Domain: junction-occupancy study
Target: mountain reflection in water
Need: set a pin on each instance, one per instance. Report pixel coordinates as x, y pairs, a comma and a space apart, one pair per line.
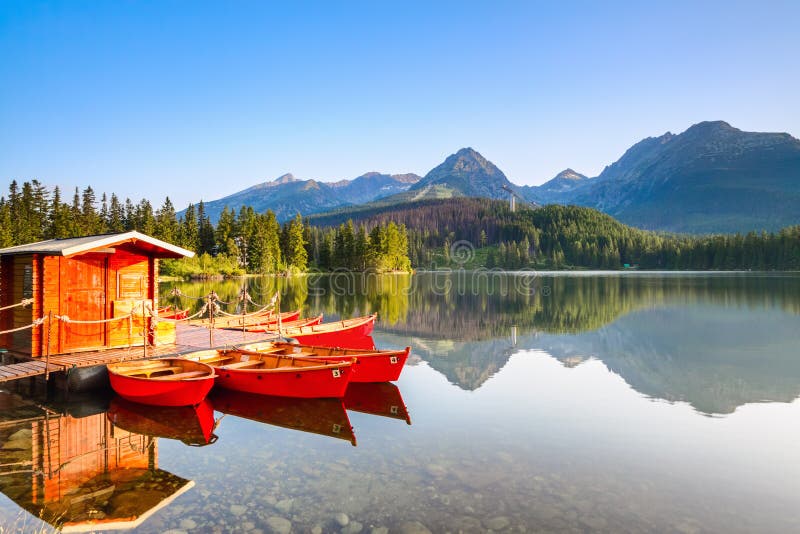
716, 341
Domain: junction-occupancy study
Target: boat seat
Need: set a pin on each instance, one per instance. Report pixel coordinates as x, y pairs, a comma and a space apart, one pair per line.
244, 365
302, 354
181, 376
215, 359
148, 371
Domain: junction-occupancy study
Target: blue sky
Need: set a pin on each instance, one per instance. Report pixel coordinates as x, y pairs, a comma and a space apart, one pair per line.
198, 100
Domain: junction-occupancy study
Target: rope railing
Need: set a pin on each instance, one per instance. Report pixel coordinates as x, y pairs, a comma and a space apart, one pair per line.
214, 301
155, 316
245, 315
23, 302
66, 319
37, 322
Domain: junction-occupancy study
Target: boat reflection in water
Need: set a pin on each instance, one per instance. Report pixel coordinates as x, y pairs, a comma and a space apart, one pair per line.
80, 473
326, 417
382, 399
193, 425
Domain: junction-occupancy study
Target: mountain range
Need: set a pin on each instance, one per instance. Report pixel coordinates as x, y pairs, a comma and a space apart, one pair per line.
286, 195
711, 178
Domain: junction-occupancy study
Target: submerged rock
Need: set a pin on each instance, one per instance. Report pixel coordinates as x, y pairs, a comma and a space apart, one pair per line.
188, 524
238, 509
353, 527
496, 523
279, 525
413, 527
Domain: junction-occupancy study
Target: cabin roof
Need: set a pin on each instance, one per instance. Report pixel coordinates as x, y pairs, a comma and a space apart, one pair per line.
79, 245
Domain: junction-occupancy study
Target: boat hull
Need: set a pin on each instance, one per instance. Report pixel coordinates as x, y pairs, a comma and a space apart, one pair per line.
384, 400
325, 382
378, 367
370, 366
193, 425
273, 327
160, 392
326, 417
352, 334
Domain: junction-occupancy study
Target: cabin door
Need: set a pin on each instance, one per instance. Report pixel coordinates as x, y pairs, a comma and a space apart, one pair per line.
83, 293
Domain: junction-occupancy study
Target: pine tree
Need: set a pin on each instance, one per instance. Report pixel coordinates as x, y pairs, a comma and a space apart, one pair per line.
297, 257
116, 215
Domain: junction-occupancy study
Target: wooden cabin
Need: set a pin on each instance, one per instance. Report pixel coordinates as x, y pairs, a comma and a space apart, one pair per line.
93, 278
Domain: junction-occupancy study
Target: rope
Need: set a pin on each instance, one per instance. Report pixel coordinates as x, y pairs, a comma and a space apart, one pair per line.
178, 293
254, 303
23, 302
37, 322
257, 312
157, 318
66, 319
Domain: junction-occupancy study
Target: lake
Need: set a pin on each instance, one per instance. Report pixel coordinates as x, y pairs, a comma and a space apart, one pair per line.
604, 402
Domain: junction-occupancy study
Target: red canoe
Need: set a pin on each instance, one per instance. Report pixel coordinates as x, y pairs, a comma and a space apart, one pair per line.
326, 417
169, 312
370, 366
193, 425
277, 375
377, 399
237, 321
162, 382
273, 327
348, 333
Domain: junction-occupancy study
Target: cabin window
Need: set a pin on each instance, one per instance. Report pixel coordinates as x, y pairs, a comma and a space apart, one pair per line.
130, 286
27, 282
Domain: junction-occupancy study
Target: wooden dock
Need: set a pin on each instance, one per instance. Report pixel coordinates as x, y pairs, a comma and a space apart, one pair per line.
189, 338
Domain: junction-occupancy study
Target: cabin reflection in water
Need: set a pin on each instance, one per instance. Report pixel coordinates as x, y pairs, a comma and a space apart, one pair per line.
80, 474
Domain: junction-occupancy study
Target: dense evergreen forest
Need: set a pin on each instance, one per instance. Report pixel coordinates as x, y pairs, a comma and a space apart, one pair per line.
244, 240
457, 232
565, 237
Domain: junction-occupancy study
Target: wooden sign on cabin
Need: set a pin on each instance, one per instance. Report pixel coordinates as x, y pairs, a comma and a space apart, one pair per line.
95, 288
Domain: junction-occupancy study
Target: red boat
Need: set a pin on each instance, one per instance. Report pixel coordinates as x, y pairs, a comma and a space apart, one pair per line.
272, 327
326, 417
348, 333
377, 399
370, 366
193, 425
276, 374
168, 312
237, 321
162, 382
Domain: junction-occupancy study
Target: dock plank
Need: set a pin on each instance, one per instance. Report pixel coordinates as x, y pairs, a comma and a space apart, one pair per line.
189, 338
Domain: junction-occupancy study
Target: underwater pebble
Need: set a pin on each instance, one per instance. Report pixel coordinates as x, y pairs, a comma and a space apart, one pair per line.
497, 523
413, 527
279, 525
342, 519
354, 527
284, 506
238, 509
379, 530
188, 524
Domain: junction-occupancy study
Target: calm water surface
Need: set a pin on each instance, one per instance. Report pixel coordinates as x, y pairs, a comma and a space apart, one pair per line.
603, 402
